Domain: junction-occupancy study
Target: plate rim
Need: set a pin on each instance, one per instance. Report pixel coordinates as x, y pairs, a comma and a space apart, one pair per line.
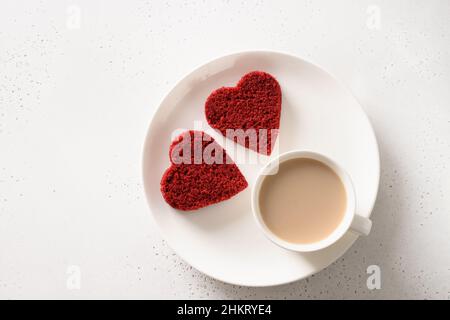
151, 125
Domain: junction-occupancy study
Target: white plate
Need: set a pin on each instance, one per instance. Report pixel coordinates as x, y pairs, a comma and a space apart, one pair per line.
318, 113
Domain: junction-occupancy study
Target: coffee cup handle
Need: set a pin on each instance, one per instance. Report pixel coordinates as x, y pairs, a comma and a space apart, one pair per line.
361, 225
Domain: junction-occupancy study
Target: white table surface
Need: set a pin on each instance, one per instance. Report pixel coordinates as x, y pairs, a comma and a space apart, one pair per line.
80, 80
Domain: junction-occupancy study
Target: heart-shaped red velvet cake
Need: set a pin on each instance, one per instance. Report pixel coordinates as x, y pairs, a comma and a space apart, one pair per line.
249, 113
201, 173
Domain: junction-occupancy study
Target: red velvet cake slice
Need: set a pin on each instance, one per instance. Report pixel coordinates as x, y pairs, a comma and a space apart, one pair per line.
255, 103
201, 173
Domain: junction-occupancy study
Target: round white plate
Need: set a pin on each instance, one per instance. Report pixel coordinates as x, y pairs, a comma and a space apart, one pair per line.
318, 113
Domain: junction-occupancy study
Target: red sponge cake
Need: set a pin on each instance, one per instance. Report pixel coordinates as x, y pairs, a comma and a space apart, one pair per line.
201, 173
255, 103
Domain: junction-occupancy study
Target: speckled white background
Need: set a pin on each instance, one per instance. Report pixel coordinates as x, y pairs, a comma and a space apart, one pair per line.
75, 104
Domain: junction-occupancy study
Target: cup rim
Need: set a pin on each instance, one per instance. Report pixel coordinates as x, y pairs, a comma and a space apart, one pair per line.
340, 230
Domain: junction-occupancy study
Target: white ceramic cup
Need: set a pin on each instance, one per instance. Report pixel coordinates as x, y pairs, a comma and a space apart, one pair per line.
352, 222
